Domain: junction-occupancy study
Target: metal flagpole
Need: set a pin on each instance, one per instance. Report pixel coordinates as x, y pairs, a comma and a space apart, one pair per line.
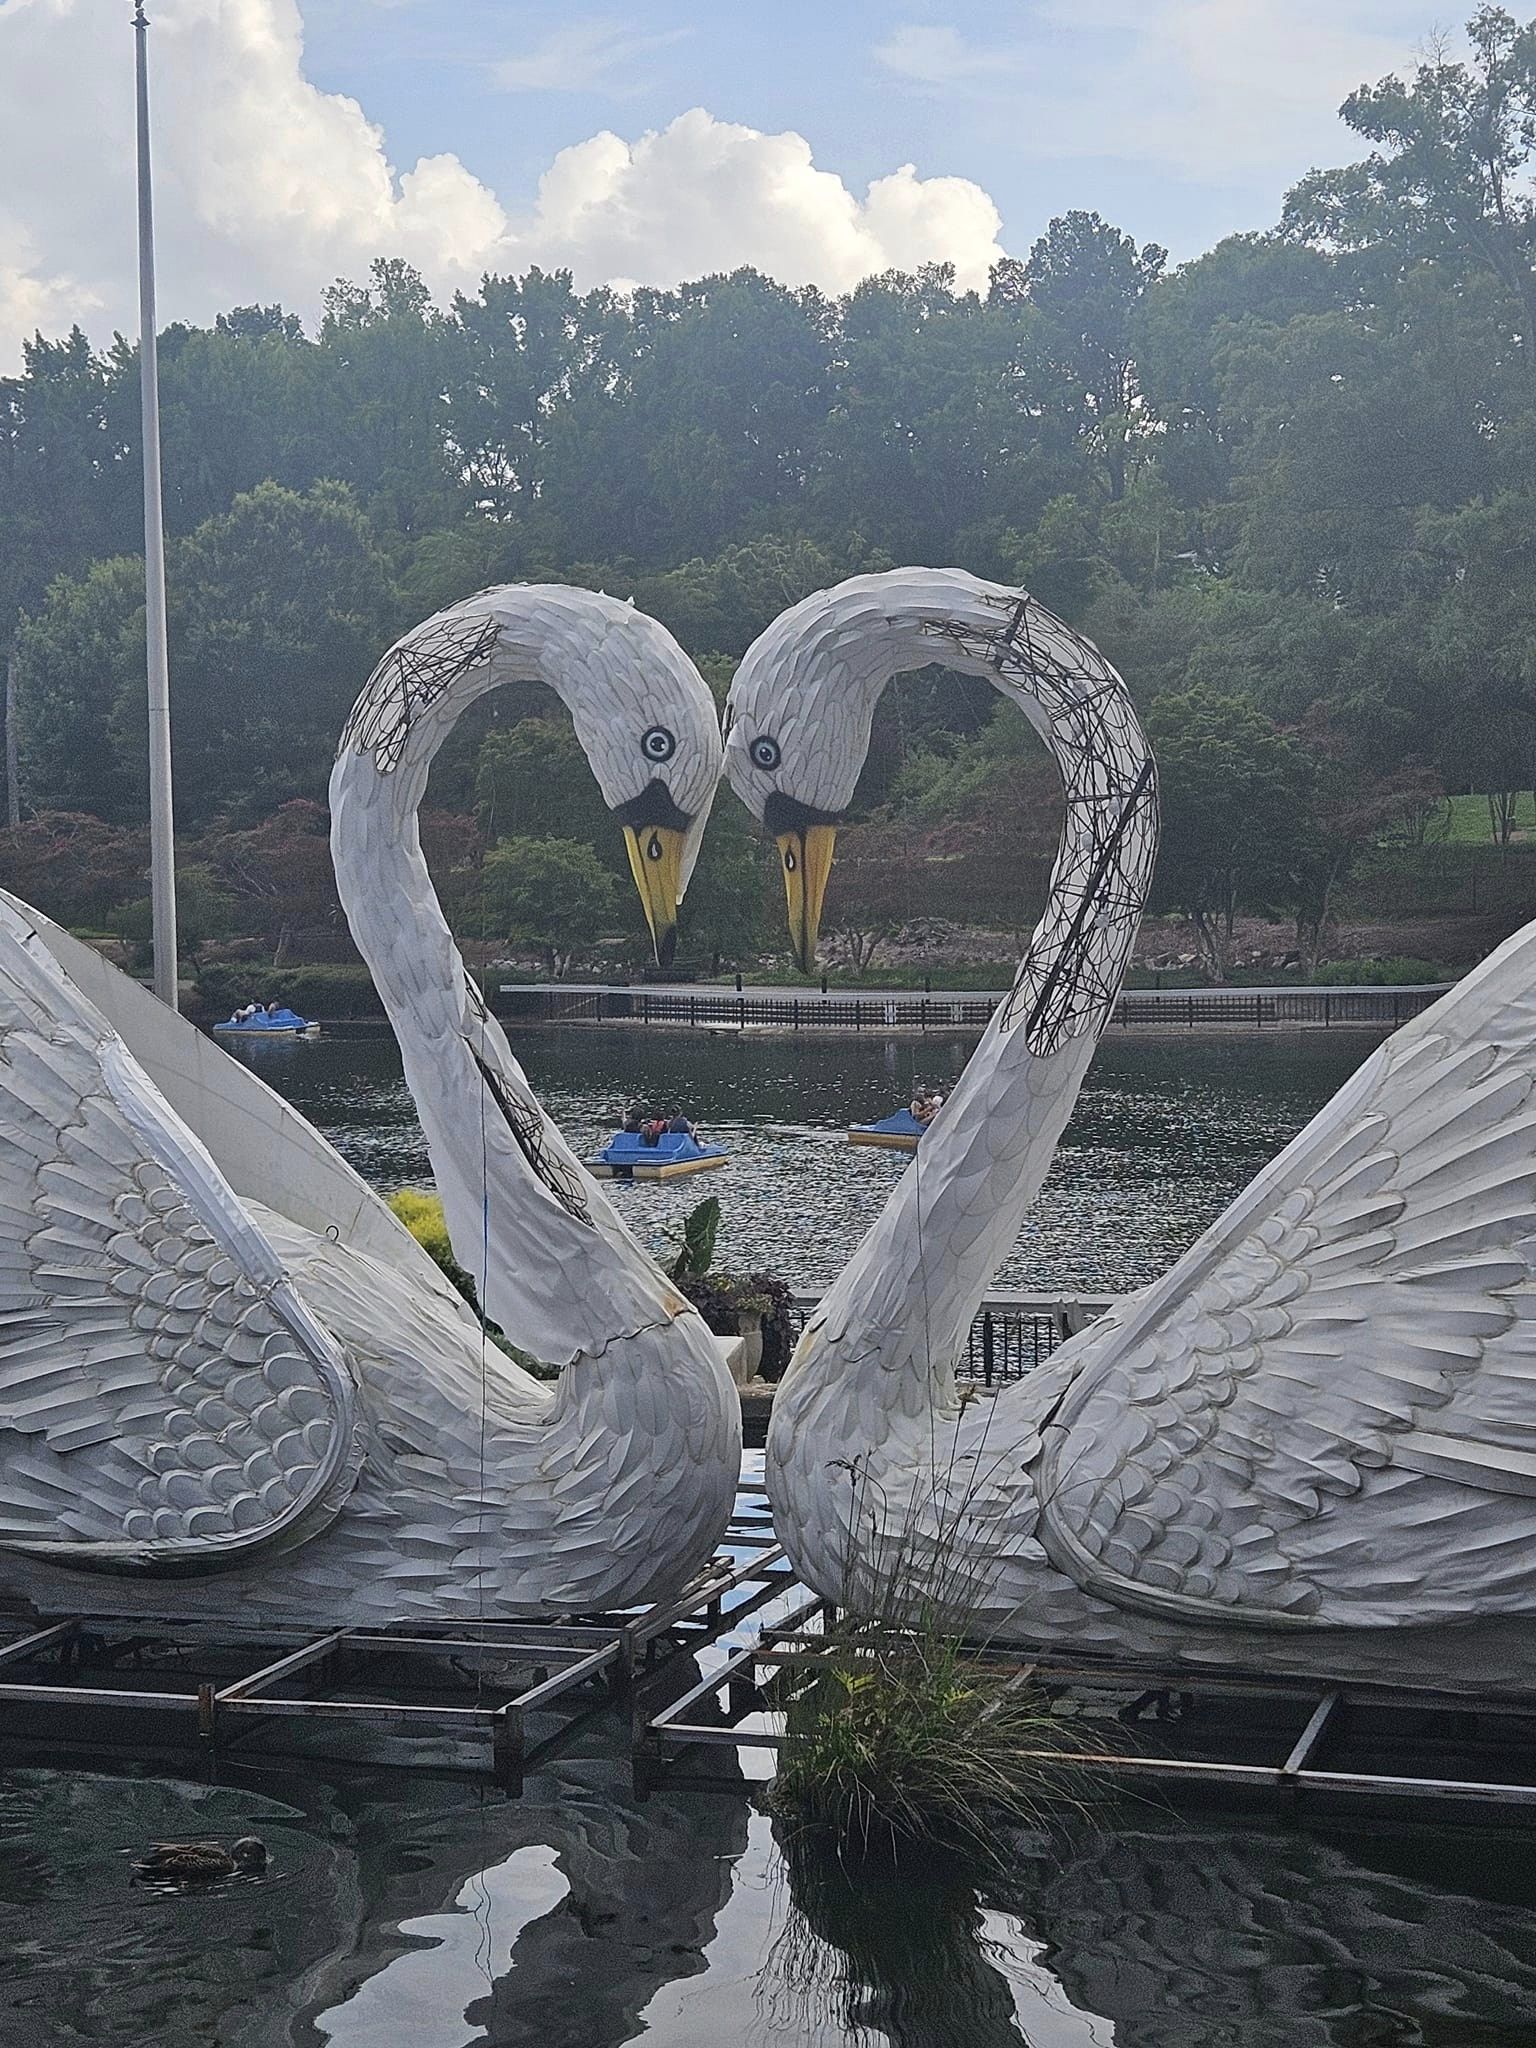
162, 842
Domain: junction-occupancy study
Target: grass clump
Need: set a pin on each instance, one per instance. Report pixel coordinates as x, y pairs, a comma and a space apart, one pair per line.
905, 1728
898, 1739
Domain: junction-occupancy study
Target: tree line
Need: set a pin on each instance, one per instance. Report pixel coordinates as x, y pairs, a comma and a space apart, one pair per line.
1288, 487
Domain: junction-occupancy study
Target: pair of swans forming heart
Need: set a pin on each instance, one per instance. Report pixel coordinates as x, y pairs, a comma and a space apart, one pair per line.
1311, 1445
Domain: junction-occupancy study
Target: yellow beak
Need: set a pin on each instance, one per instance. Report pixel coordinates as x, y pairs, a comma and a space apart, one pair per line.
807, 862
656, 862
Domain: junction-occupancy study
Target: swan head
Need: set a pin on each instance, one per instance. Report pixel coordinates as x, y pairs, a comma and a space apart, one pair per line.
642, 713
797, 726
650, 734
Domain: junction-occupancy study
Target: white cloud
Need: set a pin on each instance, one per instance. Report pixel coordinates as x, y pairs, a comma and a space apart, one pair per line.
703, 195
942, 56
30, 297
1205, 88
586, 56
267, 187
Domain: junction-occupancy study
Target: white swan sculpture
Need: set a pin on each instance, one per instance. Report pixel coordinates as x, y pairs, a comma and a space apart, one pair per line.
218, 1403
1312, 1444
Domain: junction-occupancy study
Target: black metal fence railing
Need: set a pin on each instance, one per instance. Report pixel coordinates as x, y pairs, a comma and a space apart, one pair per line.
1253, 1009
1011, 1333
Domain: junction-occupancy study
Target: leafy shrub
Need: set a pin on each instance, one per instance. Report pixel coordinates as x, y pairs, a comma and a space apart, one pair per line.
72, 866
696, 1241
723, 1298
314, 991
204, 911
898, 1739
901, 1729
422, 1215
1396, 972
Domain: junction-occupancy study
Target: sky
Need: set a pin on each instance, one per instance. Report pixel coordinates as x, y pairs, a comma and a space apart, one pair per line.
820, 140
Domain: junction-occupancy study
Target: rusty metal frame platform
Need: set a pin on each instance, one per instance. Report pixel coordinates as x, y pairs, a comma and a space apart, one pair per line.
1233, 1736
509, 1694
237, 1690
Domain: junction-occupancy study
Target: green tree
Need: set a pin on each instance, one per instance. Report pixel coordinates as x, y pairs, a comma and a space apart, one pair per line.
928, 427
704, 422
1363, 421
280, 607
75, 656
553, 894
533, 781
1234, 796
532, 348
241, 404
1450, 179
1086, 281
388, 358
1352, 806
721, 605
68, 489
204, 911
278, 610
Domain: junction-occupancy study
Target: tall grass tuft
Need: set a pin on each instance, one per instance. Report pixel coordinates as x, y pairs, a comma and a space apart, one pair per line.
904, 1732
905, 1741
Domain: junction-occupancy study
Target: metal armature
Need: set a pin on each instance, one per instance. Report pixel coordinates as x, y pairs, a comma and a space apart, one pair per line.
529, 1126
1070, 975
410, 679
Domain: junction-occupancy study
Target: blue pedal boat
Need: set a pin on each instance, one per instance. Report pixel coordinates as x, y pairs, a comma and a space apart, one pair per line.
898, 1133
272, 1024
626, 1156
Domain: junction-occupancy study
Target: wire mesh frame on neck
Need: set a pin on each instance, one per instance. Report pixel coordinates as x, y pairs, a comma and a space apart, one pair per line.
1072, 969
413, 675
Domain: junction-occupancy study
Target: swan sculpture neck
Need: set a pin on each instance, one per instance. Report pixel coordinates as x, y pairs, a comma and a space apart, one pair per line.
553, 1264
890, 1328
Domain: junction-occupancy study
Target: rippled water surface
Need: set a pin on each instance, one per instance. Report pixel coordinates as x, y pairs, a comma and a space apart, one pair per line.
409, 1908
404, 1909
1166, 1131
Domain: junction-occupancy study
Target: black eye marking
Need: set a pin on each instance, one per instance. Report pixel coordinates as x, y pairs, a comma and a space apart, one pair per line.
653, 848
765, 754
658, 744
790, 863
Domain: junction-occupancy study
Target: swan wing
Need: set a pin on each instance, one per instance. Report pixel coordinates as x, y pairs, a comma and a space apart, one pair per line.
1325, 1413
166, 1399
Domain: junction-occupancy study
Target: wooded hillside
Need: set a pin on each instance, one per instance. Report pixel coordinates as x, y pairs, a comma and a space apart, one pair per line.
1289, 487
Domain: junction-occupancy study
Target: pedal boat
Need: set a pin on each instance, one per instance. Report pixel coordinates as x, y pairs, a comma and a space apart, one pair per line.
898, 1133
626, 1156
275, 1024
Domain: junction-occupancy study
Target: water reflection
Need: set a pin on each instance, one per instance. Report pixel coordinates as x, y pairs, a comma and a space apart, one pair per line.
1164, 1134
406, 1910
401, 1910
883, 1958
1153, 1932
411, 1910
583, 1890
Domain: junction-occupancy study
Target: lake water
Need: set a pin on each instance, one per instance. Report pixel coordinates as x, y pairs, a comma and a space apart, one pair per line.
409, 1910
1166, 1131
416, 1909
